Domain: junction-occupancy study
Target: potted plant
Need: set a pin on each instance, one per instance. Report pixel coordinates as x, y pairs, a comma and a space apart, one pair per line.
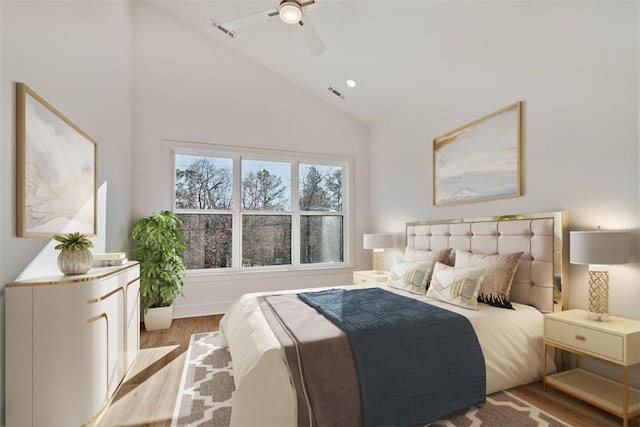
158, 243
75, 256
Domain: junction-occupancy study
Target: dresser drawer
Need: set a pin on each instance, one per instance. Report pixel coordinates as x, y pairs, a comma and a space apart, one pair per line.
591, 341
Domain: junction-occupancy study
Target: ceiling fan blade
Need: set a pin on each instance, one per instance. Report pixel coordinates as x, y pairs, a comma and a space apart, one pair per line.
311, 37
251, 19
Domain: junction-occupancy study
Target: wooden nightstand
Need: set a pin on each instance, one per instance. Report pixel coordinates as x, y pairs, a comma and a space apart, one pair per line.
370, 276
616, 342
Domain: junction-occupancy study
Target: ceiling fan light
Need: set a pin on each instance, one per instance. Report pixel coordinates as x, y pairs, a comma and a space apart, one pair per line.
290, 12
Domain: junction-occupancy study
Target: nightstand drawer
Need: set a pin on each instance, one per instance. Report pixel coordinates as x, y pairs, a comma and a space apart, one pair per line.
370, 276
359, 278
598, 343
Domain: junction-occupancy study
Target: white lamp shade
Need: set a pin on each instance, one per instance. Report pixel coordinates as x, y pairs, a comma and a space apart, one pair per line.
377, 241
599, 247
290, 12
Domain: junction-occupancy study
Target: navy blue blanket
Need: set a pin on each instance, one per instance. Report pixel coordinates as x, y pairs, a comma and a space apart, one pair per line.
416, 362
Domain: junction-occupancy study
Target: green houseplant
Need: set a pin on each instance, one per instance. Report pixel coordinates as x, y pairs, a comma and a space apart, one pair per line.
158, 243
75, 256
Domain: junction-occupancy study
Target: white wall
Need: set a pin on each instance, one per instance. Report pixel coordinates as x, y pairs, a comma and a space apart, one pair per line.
77, 56
576, 69
189, 87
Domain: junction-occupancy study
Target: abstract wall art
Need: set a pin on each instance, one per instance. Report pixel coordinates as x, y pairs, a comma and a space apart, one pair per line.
56, 170
480, 160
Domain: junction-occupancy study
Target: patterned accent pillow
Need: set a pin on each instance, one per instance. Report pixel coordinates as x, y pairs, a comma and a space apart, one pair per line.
412, 277
442, 255
457, 286
498, 278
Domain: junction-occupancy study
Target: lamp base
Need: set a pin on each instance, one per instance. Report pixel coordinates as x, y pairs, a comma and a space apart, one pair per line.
598, 293
378, 260
598, 317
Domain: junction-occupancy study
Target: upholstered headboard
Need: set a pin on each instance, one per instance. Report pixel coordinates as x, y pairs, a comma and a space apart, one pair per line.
540, 279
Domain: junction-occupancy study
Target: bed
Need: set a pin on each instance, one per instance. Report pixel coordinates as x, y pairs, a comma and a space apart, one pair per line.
511, 340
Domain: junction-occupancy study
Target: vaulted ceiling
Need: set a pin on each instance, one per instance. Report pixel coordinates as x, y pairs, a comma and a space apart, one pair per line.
386, 46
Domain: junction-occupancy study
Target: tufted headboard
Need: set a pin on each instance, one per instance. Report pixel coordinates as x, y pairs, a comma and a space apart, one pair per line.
540, 279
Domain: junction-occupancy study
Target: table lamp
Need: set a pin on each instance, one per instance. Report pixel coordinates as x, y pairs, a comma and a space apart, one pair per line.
377, 242
599, 249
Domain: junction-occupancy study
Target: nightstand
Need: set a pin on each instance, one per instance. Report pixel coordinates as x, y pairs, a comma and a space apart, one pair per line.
370, 276
616, 342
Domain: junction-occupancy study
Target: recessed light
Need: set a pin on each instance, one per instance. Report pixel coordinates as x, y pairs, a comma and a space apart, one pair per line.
352, 83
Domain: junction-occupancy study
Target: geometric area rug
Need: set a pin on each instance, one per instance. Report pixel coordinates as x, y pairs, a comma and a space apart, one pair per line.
500, 409
206, 387
206, 391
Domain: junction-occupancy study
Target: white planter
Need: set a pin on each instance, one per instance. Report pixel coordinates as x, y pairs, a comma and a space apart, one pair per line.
75, 262
158, 318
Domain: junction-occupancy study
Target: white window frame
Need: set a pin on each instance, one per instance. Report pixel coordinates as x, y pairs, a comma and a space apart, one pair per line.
294, 158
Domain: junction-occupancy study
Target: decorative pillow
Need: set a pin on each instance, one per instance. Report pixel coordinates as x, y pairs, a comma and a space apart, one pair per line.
498, 277
412, 277
457, 286
442, 256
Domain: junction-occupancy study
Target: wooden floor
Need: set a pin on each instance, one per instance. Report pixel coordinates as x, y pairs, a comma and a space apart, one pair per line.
147, 396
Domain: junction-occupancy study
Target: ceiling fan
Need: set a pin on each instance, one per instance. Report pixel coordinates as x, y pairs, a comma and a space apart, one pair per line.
290, 12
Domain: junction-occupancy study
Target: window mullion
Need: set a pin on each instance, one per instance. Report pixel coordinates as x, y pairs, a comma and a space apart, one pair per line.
236, 243
295, 215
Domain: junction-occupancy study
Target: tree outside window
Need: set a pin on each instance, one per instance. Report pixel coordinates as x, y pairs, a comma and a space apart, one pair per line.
266, 234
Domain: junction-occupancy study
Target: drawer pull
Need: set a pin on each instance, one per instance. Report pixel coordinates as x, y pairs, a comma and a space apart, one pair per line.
581, 338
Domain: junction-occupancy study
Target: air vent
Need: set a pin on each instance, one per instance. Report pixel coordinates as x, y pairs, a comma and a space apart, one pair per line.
335, 92
219, 26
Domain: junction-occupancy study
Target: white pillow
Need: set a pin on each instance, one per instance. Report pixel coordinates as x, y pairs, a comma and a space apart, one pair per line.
457, 286
410, 276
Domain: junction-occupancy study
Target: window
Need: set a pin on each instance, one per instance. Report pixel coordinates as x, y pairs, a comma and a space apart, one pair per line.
266, 195
321, 229
243, 211
204, 189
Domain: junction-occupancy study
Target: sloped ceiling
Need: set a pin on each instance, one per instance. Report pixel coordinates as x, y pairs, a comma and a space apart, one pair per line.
385, 46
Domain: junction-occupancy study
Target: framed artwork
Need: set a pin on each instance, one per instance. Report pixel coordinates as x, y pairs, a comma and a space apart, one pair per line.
56, 170
480, 160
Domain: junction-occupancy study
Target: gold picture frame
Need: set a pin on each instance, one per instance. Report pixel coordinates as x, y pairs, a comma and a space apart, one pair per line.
481, 160
56, 171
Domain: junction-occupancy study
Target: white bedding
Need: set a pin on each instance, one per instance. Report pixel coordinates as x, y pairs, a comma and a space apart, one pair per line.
511, 341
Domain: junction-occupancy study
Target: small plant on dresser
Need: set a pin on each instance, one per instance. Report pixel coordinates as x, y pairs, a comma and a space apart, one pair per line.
158, 243
75, 256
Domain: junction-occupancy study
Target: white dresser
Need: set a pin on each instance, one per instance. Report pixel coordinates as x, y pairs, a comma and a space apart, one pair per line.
69, 342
